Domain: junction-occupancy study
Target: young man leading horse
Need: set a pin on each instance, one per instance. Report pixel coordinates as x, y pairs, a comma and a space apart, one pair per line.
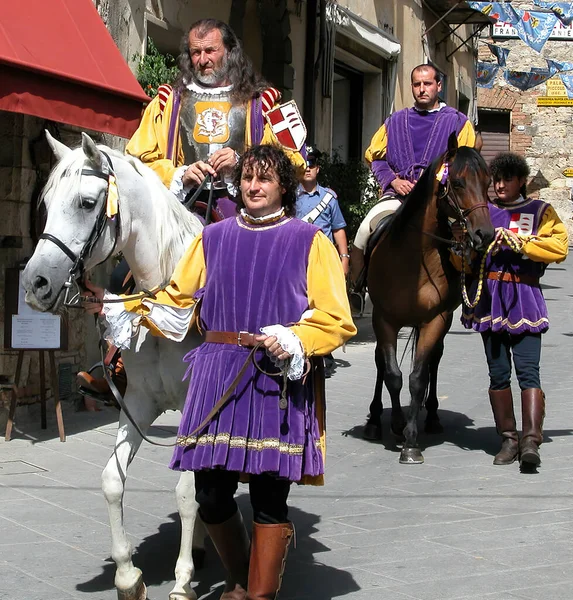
254, 404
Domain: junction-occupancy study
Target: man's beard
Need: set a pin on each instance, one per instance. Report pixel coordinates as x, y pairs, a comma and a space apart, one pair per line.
214, 79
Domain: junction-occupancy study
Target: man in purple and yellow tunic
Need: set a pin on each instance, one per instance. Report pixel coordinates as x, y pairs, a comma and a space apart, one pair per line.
262, 277
404, 146
511, 313
219, 106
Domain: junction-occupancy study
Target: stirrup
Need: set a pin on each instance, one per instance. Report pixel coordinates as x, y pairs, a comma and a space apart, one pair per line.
361, 297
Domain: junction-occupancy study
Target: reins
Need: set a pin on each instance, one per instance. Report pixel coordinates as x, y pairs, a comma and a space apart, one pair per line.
481, 277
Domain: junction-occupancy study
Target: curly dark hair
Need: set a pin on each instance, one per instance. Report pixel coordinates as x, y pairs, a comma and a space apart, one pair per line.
246, 82
507, 165
261, 159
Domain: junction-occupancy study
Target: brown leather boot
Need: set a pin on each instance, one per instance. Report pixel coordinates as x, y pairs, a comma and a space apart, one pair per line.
100, 385
269, 550
231, 541
533, 413
502, 407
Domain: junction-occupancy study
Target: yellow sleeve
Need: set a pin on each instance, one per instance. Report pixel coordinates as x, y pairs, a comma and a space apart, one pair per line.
551, 243
149, 142
467, 136
188, 277
330, 323
378, 145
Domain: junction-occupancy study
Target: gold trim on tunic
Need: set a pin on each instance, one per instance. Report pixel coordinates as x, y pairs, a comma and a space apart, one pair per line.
210, 439
505, 322
244, 225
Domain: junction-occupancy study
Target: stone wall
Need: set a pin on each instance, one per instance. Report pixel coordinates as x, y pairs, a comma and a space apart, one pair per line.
543, 134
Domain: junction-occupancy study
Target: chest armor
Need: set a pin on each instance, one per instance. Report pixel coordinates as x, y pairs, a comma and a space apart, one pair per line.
210, 122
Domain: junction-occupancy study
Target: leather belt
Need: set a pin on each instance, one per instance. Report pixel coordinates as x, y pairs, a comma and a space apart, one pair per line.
513, 278
237, 338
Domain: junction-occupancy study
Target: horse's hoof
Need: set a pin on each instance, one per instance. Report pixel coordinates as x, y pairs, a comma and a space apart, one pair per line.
372, 432
137, 591
433, 426
198, 555
411, 456
190, 595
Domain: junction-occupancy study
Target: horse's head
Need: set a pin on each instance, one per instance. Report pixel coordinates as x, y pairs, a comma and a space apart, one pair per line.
82, 222
463, 181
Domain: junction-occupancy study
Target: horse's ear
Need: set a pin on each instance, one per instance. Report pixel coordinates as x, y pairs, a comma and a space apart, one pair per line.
452, 145
91, 151
60, 150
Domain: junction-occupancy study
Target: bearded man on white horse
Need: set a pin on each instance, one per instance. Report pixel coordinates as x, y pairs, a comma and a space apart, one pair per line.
218, 107
403, 147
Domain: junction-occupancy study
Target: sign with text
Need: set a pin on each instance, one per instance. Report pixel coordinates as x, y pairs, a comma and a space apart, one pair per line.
555, 87
507, 30
568, 172
554, 101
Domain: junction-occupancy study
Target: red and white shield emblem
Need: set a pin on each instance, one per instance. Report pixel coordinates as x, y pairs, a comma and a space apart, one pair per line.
287, 125
521, 223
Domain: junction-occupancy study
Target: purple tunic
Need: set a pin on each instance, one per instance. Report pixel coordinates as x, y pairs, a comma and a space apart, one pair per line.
506, 305
256, 276
415, 139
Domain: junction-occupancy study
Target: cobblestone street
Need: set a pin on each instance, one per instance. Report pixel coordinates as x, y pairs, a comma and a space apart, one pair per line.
453, 528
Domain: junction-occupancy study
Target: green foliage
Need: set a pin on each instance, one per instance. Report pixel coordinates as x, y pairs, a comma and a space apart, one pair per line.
355, 186
154, 69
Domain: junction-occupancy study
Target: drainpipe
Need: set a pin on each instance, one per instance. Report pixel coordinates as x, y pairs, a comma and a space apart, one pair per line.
309, 101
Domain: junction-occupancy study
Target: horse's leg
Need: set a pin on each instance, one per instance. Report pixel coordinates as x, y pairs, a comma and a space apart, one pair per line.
373, 427
430, 335
432, 424
393, 377
128, 578
185, 568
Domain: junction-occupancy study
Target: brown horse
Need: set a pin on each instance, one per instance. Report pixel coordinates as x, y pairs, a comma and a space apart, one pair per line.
412, 282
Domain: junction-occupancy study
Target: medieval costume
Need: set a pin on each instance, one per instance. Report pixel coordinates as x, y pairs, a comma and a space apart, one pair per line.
403, 147
178, 129
283, 277
511, 315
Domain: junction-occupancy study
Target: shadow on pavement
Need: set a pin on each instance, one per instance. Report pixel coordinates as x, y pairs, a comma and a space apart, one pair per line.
458, 430
304, 577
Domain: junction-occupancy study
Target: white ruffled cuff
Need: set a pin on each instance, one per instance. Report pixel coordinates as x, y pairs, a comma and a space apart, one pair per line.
290, 343
119, 322
177, 188
173, 322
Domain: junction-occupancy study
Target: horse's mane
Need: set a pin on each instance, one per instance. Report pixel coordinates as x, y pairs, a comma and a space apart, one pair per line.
176, 226
422, 193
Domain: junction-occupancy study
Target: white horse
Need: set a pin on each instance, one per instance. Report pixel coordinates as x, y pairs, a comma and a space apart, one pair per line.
152, 230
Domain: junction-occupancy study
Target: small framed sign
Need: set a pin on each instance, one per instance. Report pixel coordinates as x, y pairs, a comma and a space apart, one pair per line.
25, 328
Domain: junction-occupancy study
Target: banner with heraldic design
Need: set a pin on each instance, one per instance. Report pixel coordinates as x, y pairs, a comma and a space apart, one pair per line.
521, 223
212, 122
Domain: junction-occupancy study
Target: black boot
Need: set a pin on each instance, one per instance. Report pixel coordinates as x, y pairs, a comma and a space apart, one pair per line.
533, 413
502, 407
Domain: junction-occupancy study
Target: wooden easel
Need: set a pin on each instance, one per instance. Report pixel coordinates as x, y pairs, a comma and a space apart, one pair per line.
55, 391
11, 308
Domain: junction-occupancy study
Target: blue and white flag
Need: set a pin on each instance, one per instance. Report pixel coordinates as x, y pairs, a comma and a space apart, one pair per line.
486, 73
562, 10
501, 11
565, 72
534, 28
500, 53
525, 80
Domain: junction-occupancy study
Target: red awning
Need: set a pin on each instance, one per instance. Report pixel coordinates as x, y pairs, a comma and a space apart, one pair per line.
59, 62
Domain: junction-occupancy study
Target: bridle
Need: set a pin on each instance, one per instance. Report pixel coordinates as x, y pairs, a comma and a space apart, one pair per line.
446, 192
72, 297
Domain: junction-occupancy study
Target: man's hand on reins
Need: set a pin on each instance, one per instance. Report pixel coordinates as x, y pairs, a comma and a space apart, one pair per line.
196, 172
223, 160
402, 186
272, 346
93, 291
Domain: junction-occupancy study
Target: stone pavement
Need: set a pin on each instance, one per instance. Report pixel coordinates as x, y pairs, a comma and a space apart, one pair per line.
453, 528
